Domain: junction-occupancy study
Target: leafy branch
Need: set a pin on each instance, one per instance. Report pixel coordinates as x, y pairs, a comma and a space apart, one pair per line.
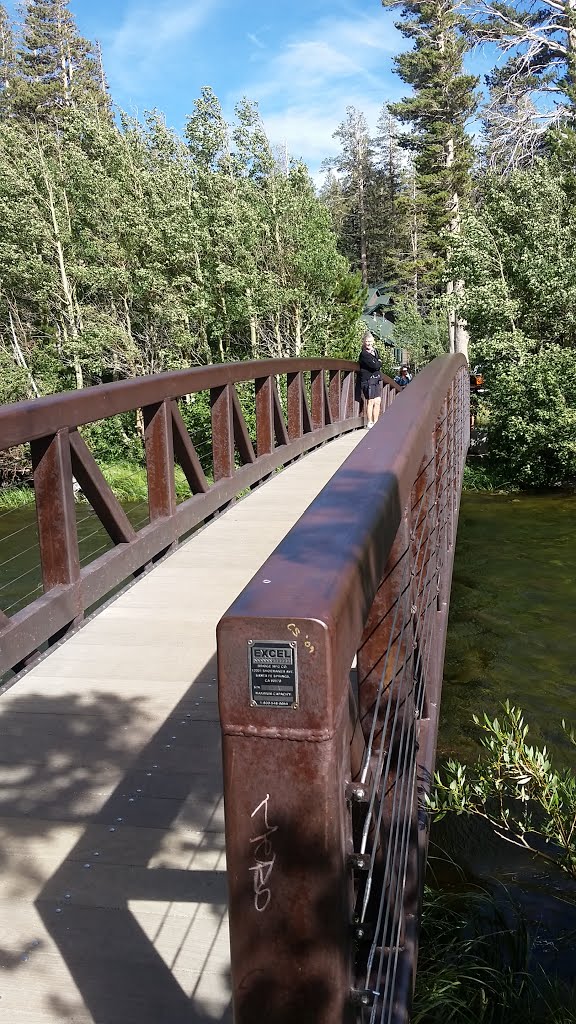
515, 788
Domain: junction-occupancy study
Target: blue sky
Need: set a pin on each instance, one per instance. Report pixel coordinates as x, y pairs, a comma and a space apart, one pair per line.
304, 61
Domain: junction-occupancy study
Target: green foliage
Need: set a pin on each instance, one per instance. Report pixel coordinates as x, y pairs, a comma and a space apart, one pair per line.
479, 478
532, 426
130, 483
515, 788
424, 336
346, 327
14, 381
115, 440
516, 257
442, 100
55, 69
370, 200
126, 251
475, 965
16, 497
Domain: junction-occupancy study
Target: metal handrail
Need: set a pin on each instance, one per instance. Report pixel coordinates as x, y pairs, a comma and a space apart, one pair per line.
59, 454
325, 829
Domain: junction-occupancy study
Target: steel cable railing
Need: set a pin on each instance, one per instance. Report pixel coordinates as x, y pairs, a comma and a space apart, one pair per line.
325, 894
386, 945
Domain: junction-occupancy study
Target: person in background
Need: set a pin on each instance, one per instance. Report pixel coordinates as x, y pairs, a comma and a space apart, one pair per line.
370, 380
403, 377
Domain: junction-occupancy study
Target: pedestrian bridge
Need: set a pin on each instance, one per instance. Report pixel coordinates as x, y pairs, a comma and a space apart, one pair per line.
329, 583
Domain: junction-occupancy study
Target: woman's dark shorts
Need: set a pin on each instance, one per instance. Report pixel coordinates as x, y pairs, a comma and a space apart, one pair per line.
371, 388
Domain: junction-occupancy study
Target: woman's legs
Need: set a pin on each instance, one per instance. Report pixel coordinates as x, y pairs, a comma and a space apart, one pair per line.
370, 409
366, 406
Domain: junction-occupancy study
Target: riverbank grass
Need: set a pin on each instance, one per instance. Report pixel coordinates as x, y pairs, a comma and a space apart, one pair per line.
476, 964
127, 480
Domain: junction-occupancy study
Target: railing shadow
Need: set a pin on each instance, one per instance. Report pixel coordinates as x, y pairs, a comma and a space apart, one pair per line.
137, 912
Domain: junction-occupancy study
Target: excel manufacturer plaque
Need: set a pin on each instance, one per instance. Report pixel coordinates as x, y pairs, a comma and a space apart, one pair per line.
273, 674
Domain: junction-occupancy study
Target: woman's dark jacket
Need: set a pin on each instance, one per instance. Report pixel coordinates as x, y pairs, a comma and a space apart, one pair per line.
369, 364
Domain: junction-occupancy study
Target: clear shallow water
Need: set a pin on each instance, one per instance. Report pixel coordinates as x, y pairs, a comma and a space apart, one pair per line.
20, 574
512, 626
511, 634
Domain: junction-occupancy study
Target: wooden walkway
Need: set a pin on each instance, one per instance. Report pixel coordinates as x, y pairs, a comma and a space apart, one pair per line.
112, 873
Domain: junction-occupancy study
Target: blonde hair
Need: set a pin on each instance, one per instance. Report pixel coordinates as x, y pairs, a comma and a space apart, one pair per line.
366, 337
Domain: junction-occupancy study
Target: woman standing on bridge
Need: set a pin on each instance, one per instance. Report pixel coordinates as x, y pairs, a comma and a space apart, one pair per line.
370, 380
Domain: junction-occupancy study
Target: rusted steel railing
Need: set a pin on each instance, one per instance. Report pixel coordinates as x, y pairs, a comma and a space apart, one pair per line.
325, 769
284, 430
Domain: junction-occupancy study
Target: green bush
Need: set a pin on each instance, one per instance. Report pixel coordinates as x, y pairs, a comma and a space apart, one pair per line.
532, 425
516, 789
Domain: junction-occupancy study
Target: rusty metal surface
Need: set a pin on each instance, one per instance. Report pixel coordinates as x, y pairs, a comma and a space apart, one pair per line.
98, 492
23, 421
56, 455
315, 938
159, 460
52, 466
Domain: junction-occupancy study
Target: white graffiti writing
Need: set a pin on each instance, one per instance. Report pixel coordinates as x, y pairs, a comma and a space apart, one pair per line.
263, 854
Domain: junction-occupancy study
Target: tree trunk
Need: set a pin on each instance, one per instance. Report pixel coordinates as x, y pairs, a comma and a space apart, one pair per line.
277, 236
571, 33
457, 330
414, 239
67, 290
253, 326
362, 222
278, 337
19, 357
220, 337
297, 330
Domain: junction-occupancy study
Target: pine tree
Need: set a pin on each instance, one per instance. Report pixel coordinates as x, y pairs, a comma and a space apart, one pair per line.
390, 193
442, 101
355, 166
57, 68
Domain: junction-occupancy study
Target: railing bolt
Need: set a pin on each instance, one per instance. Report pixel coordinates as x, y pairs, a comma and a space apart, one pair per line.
364, 931
356, 792
359, 861
363, 997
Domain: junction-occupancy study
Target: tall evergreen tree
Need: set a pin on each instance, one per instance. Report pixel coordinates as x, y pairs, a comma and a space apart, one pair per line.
354, 165
443, 100
390, 194
57, 68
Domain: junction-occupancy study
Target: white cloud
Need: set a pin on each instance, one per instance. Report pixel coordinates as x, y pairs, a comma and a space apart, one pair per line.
307, 130
149, 33
253, 38
304, 87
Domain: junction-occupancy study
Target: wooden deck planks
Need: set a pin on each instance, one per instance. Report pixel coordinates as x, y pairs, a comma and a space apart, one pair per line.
112, 861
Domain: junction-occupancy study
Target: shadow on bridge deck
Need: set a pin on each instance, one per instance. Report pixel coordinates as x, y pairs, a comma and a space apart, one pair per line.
113, 888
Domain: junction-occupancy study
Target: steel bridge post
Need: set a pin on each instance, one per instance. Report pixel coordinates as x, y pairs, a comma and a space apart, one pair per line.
287, 825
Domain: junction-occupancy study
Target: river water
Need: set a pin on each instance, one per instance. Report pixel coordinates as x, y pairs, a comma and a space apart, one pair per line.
511, 627
511, 635
20, 576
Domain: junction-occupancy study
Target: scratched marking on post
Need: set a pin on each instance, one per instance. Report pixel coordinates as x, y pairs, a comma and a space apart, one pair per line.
264, 855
